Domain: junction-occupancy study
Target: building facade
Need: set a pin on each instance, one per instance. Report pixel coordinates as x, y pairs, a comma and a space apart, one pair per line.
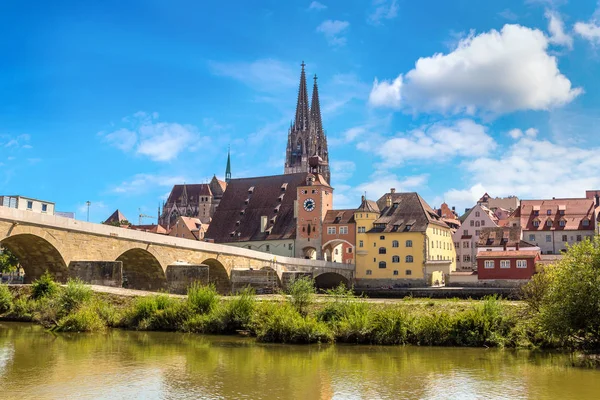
467, 236
306, 137
339, 236
509, 203
28, 204
555, 224
401, 241
507, 265
188, 228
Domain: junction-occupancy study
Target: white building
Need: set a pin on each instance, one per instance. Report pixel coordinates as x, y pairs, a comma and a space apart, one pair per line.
467, 236
27, 203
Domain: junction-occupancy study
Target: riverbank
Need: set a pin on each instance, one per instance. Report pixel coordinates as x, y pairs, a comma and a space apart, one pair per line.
296, 318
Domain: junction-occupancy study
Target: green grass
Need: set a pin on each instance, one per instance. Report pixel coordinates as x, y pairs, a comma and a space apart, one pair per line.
6, 299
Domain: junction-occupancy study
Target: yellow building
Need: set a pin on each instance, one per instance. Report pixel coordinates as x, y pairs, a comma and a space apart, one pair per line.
401, 241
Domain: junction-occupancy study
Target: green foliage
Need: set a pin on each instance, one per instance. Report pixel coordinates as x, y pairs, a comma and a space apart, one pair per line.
568, 302
44, 287
8, 261
159, 312
202, 298
83, 319
302, 294
339, 301
6, 299
390, 326
73, 295
22, 309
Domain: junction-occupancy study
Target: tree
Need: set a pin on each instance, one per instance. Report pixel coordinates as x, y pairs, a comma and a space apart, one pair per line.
568, 302
8, 261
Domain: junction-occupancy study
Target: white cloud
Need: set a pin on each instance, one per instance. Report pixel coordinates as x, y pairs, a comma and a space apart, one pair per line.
140, 183
386, 93
589, 31
265, 75
381, 182
518, 133
315, 5
529, 169
334, 31
495, 72
556, 27
462, 138
159, 141
383, 9
342, 170
508, 14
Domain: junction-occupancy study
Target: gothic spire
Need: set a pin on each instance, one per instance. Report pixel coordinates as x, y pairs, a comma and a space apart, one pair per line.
184, 195
315, 109
228, 169
302, 113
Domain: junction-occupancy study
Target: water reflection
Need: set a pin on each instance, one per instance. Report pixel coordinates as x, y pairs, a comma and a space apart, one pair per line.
120, 364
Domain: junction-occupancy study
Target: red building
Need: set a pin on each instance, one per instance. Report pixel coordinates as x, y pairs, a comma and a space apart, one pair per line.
339, 236
519, 264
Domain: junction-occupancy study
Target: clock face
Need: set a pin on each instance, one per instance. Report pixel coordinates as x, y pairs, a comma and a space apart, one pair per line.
309, 204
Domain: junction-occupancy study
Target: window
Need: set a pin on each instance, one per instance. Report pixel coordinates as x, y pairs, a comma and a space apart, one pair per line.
361, 229
343, 230
477, 223
466, 245
337, 252
409, 259
536, 212
562, 212
409, 243
369, 272
586, 222
472, 223
395, 243
564, 238
504, 263
44, 207
521, 263
536, 223
395, 272
466, 258
548, 238
477, 213
482, 222
549, 223
532, 237
489, 264
331, 230
361, 243
396, 259
408, 272
382, 264
349, 251
381, 237
268, 248
548, 212
30, 205
382, 250
579, 238
477, 233
562, 223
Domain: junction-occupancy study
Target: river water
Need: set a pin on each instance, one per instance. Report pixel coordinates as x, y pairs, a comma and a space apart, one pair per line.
35, 364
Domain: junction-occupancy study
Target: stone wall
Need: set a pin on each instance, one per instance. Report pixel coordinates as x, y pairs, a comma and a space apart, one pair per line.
104, 273
180, 277
389, 283
261, 280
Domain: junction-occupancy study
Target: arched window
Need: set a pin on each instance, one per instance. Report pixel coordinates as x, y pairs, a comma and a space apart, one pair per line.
409, 259
477, 223
396, 259
382, 250
382, 264
395, 243
409, 243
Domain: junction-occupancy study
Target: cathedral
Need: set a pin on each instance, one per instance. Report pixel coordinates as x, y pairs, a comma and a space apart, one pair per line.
306, 137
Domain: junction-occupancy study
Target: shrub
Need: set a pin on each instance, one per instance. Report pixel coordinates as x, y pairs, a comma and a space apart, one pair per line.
431, 329
159, 312
45, 311
340, 301
202, 298
302, 293
75, 293
22, 309
84, 319
483, 325
238, 311
355, 324
390, 326
44, 287
6, 299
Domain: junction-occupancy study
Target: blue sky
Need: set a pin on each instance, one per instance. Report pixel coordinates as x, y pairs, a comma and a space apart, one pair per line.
116, 102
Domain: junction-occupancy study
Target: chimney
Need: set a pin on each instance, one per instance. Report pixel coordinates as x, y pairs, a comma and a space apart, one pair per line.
393, 190
263, 223
517, 246
388, 201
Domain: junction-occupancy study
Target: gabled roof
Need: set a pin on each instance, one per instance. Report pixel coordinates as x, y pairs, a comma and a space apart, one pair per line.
509, 254
339, 217
194, 191
115, 217
238, 217
574, 212
149, 228
368, 206
407, 209
498, 236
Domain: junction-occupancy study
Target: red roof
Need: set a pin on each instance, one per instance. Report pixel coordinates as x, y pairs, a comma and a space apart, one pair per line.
575, 211
509, 254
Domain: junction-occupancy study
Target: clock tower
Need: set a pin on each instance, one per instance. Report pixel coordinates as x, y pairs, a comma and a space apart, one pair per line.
313, 200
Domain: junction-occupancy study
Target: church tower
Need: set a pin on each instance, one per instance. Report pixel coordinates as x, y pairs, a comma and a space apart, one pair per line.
306, 137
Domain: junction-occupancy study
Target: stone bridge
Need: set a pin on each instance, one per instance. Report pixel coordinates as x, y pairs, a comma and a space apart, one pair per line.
100, 253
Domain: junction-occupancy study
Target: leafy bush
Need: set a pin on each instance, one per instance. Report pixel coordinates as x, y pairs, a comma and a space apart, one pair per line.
44, 287
159, 312
390, 326
6, 299
431, 329
238, 311
340, 300
22, 309
74, 294
483, 325
302, 293
84, 319
202, 298
355, 324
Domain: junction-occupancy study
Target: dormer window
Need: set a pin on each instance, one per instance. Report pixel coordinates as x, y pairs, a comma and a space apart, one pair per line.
549, 223
280, 198
561, 212
247, 201
242, 212
562, 223
237, 223
276, 209
536, 223
586, 222
536, 212
284, 187
548, 212
251, 190
407, 227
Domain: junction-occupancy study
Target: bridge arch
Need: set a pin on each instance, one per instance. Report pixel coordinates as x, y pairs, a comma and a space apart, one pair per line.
330, 280
36, 255
218, 274
142, 270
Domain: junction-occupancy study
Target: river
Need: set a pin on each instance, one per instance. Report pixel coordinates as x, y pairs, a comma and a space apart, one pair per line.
35, 364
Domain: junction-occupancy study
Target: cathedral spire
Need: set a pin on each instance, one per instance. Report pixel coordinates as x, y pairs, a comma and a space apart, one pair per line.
302, 114
228, 169
315, 109
184, 195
